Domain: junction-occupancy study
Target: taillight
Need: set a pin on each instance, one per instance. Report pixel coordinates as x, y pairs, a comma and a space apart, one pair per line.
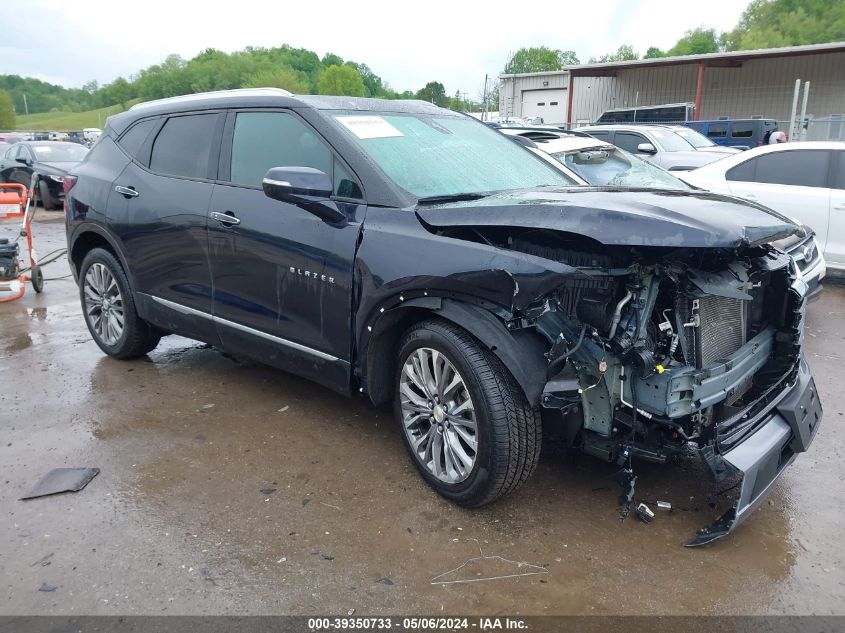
67, 185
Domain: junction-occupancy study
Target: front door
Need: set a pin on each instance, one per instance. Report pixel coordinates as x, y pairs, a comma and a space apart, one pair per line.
282, 277
793, 182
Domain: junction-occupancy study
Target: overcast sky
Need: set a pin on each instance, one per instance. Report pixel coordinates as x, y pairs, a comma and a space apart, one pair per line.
405, 43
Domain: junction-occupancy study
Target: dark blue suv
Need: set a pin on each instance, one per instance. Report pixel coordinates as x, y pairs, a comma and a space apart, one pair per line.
415, 255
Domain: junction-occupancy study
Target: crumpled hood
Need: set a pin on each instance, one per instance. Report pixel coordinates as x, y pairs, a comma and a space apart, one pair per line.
622, 217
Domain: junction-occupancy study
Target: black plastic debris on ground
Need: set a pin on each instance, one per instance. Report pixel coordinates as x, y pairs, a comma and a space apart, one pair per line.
61, 480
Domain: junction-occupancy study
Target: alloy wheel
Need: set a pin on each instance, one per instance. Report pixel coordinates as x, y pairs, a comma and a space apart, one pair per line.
103, 304
438, 415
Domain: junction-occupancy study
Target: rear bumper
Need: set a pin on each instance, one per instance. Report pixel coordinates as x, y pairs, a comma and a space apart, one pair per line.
763, 457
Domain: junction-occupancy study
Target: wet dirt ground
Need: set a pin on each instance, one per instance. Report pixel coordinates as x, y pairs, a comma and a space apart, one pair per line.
230, 487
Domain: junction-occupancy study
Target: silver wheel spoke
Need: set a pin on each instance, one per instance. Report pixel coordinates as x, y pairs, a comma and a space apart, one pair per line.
438, 415
103, 304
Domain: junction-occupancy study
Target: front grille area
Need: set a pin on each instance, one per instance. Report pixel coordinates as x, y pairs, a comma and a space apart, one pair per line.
805, 254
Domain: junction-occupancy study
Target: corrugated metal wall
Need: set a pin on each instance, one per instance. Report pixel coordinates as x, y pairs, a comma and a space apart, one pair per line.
758, 87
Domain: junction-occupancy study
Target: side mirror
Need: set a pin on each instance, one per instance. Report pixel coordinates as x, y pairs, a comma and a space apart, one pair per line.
646, 148
23, 160
307, 188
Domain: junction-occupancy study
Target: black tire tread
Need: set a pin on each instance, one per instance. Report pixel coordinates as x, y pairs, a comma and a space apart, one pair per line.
141, 337
516, 424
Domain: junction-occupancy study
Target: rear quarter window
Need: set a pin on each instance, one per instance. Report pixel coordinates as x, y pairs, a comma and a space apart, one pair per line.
132, 141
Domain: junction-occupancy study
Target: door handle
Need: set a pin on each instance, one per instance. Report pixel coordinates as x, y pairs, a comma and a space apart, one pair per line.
227, 218
127, 192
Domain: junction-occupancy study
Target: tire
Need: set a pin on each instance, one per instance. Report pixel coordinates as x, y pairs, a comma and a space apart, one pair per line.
508, 431
37, 278
135, 337
47, 200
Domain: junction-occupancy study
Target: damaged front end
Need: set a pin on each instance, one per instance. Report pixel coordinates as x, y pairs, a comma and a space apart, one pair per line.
654, 351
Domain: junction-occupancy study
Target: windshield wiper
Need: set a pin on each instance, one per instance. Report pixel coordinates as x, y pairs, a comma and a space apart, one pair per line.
452, 197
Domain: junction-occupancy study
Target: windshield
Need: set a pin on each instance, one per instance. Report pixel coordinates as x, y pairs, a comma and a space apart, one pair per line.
433, 156
671, 142
696, 139
607, 166
59, 153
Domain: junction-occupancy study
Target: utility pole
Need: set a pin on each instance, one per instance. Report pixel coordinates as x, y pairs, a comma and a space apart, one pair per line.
484, 100
25, 106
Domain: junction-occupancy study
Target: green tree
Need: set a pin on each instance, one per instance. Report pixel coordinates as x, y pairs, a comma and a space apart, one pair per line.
434, 92
330, 59
653, 53
623, 53
341, 80
774, 23
7, 111
537, 59
282, 77
696, 42
118, 91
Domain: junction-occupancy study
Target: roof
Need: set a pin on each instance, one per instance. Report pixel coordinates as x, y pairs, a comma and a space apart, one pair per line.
732, 58
729, 59
268, 98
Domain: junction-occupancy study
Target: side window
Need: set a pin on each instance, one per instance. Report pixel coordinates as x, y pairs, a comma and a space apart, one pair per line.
602, 136
183, 147
263, 140
629, 141
803, 168
717, 130
344, 185
133, 139
744, 172
742, 130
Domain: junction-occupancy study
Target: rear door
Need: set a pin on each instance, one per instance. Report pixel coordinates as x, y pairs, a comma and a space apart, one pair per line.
162, 218
793, 182
835, 251
282, 277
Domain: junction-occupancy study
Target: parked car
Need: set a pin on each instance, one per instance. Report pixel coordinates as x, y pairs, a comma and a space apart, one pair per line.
701, 142
656, 144
739, 133
803, 180
604, 165
411, 254
49, 160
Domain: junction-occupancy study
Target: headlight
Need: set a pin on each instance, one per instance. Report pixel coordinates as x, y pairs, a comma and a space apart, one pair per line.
56, 178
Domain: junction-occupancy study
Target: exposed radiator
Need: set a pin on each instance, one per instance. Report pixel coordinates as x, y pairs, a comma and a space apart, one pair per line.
722, 328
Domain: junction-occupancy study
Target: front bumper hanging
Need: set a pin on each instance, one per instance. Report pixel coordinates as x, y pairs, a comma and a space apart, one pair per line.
763, 456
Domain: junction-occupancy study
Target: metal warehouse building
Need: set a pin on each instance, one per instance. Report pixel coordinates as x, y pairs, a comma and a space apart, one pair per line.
739, 84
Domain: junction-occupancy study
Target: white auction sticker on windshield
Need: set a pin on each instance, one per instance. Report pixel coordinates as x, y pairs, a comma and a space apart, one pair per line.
369, 126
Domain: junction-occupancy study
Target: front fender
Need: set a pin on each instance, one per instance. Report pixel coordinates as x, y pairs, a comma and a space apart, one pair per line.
521, 352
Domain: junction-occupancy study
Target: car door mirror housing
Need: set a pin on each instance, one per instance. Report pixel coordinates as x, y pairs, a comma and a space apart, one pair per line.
307, 188
22, 160
646, 148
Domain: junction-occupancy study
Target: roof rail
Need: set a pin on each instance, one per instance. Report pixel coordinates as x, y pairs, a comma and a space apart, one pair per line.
214, 94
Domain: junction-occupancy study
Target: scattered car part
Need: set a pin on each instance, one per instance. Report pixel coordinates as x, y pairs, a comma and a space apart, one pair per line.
61, 480
644, 513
